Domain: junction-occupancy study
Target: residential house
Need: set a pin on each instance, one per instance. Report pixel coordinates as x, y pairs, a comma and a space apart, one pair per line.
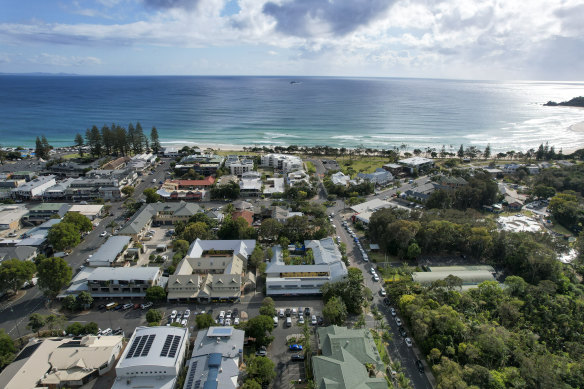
379, 177
421, 192
323, 263
115, 164
450, 182
246, 215
298, 177
23, 175
345, 358
157, 214
273, 185
339, 178
171, 151
58, 191
211, 271
62, 362
283, 214
22, 253
153, 358
216, 359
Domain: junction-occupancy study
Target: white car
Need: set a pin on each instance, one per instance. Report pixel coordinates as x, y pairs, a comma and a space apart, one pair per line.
103, 234
372, 270
393, 312
313, 321
183, 322
398, 321
294, 312
375, 278
301, 319
227, 322
222, 315
187, 314
236, 321
408, 342
173, 315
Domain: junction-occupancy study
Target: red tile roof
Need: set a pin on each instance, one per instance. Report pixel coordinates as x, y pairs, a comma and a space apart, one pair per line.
247, 215
208, 181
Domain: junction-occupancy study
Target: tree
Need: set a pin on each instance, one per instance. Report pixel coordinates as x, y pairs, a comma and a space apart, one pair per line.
91, 328
269, 229
79, 143
335, 311
84, 300
257, 256
204, 321
128, 190
54, 274
55, 322
36, 322
39, 151
251, 383
13, 273
153, 316
487, 152
543, 192
69, 302
7, 349
261, 369
151, 195
81, 222
196, 230
414, 251
155, 294
268, 307
257, 328
94, 141
155, 141
460, 152
63, 235
75, 328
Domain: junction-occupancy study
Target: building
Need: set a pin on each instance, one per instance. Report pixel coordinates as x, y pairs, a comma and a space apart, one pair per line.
283, 214
470, 276
172, 185
274, 185
10, 216
40, 213
158, 214
305, 279
62, 362
451, 182
416, 164
340, 178
246, 215
86, 188
91, 211
37, 236
216, 358
58, 191
152, 359
394, 168
379, 177
22, 253
238, 166
285, 163
115, 164
212, 270
110, 251
34, 189
70, 169
250, 184
115, 282
171, 152
343, 360
421, 192
298, 177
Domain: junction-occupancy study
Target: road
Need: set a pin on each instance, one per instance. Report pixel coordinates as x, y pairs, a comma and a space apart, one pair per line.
14, 314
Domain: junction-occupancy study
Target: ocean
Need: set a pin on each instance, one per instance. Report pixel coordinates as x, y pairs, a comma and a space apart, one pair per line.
338, 112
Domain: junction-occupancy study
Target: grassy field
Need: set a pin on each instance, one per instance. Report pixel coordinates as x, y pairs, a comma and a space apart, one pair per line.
361, 164
71, 156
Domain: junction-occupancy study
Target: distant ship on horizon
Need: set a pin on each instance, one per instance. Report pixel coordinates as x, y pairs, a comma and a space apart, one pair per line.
294, 82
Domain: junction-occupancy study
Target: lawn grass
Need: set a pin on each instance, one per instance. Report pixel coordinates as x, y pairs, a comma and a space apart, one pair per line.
71, 156
361, 164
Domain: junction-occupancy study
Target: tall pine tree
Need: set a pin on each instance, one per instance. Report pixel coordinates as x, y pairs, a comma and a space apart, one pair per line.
155, 141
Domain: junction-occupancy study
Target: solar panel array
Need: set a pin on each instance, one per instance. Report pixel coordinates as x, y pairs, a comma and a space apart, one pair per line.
174, 346
141, 346
191, 377
166, 346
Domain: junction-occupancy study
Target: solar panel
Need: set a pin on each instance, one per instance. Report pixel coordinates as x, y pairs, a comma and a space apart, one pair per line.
174, 346
166, 345
197, 384
133, 346
140, 347
192, 374
148, 345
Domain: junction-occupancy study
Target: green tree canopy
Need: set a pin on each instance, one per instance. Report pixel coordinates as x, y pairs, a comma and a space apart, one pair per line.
151, 195
155, 294
81, 222
268, 307
257, 327
204, 321
13, 273
153, 316
7, 349
63, 236
335, 311
36, 322
54, 274
261, 369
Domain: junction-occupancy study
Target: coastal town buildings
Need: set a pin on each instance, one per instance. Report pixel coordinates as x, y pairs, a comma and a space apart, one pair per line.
379, 177
416, 164
282, 162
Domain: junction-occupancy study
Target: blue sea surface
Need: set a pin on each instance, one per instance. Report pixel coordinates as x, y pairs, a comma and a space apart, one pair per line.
339, 112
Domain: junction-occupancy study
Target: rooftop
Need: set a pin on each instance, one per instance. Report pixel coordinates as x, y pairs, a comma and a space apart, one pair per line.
123, 273
153, 346
415, 161
108, 251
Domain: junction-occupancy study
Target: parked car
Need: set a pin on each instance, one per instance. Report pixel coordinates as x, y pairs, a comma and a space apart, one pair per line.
228, 322
420, 366
275, 321
228, 314
320, 320
184, 322
408, 342
101, 307
393, 312
236, 321
313, 321
187, 314
297, 357
402, 331
106, 332
262, 352
295, 347
300, 319
375, 277
235, 312
104, 233
127, 306
307, 311
173, 314
288, 312
282, 314
137, 306
294, 312
288, 321
398, 321
147, 305
222, 315
382, 292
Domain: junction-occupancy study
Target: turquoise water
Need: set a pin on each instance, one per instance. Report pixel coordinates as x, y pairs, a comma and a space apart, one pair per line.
337, 112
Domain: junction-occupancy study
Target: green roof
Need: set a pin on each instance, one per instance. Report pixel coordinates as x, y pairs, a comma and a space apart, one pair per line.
344, 355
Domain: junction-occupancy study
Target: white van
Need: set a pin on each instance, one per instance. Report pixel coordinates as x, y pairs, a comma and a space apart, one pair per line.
275, 321
288, 321
282, 314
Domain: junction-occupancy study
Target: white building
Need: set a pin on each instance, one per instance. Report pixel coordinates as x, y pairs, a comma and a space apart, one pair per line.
108, 252
340, 178
250, 184
217, 355
298, 177
34, 189
283, 162
416, 163
91, 211
61, 362
152, 359
285, 280
379, 177
238, 167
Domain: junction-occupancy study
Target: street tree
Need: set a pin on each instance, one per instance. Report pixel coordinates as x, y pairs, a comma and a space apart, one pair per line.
7, 349
84, 300
251, 383
268, 307
63, 236
204, 321
81, 222
196, 230
14, 272
54, 274
153, 316
261, 369
151, 195
128, 190
155, 294
258, 327
36, 322
335, 311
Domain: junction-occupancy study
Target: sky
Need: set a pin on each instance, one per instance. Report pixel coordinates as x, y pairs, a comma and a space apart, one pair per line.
460, 39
